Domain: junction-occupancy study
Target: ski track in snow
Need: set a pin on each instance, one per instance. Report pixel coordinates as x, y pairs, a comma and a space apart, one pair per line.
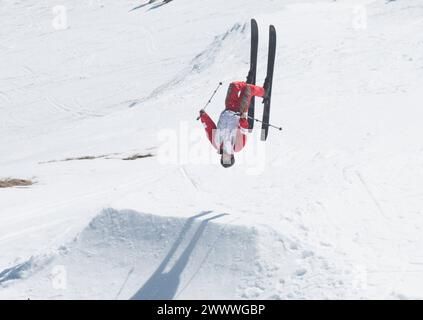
201, 62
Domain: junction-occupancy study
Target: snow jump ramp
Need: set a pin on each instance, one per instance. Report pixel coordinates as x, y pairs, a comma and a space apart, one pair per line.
131, 255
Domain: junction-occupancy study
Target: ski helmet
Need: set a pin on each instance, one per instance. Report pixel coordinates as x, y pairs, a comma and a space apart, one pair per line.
227, 164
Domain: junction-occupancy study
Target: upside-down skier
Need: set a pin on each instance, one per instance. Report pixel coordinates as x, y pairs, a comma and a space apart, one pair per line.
230, 134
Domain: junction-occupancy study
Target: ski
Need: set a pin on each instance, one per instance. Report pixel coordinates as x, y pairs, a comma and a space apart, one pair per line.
268, 83
251, 78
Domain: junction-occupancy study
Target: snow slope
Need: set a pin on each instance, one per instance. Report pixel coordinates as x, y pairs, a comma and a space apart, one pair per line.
329, 208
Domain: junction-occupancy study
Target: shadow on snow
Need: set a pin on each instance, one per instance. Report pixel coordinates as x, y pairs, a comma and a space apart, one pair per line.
163, 285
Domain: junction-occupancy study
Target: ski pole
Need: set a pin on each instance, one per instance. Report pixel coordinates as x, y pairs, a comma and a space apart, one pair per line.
265, 123
210, 100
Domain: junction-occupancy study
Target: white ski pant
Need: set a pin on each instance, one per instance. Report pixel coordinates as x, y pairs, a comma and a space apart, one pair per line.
226, 131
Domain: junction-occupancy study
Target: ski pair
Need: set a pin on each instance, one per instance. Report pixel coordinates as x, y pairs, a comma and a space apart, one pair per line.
251, 78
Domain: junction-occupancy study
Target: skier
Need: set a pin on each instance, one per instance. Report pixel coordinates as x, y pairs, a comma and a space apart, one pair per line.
229, 136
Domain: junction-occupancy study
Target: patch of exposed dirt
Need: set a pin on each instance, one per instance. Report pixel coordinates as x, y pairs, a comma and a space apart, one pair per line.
10, 183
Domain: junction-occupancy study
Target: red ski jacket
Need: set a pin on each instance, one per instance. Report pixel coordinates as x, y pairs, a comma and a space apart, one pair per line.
238, 99
240, 94
211, 129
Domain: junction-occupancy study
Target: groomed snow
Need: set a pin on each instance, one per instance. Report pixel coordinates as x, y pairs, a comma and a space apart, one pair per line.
331, 207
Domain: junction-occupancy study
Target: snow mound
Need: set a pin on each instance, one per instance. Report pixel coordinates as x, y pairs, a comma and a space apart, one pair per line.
131, 255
